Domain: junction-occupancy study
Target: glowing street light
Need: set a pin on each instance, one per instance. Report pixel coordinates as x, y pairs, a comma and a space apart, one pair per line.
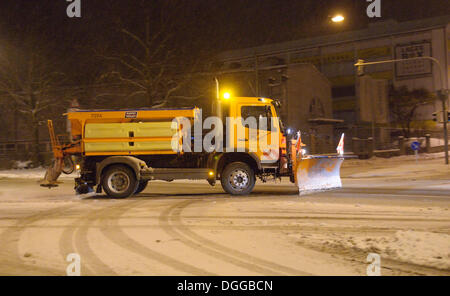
339, 18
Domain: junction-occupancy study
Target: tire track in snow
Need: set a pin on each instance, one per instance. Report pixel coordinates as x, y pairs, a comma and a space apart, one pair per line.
165, 223
10, 238
112, 230
74, 240
225, 253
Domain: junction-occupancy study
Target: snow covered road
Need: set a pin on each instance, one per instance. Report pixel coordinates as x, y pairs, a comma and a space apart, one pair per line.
190, 228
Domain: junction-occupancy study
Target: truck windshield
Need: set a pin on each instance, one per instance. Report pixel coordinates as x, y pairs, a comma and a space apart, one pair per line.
257, 112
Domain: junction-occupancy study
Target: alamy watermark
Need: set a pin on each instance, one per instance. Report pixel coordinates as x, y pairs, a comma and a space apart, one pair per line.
374, 8
374, 268
74, 268
74, 8
239, 134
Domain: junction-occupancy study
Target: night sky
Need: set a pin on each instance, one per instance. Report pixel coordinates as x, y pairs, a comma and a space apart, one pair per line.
37, 37
241, 23
197, 27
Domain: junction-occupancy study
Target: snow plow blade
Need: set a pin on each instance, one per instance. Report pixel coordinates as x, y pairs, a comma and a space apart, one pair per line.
318, 173
52, 174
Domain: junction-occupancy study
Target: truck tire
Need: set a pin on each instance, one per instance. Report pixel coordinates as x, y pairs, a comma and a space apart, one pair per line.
238, 178
141, 186
119, 181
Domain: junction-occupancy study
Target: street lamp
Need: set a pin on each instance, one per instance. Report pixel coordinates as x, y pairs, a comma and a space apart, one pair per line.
339, 18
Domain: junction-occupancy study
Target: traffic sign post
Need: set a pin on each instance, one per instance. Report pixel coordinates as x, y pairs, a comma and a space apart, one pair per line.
415, 146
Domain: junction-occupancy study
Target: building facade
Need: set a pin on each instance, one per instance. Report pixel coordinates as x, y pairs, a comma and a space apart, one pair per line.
335, 55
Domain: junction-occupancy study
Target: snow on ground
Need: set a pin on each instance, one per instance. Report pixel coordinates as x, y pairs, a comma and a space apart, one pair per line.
434, 142
437, 142
326, 233
22, 164
36, 173
407, 246
426, 165
402, 158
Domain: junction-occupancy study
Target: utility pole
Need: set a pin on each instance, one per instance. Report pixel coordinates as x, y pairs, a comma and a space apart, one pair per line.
374, 144
443, 93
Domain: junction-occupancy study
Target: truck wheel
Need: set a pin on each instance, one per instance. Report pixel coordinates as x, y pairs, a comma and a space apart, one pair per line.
119, 181
141, 187
238, 178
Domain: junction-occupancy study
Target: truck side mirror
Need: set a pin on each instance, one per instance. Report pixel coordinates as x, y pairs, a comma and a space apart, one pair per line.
270, 119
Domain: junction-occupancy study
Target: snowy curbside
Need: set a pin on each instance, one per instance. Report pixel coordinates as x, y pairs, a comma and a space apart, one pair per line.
36, 173
416, 247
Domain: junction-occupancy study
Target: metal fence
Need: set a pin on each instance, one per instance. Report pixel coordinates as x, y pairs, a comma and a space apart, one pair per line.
365, 140
22, 151
9, 148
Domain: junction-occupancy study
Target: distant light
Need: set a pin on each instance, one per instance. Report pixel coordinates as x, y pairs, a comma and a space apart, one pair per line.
211, 174
226, 96
289, 131
77, 166
338, 18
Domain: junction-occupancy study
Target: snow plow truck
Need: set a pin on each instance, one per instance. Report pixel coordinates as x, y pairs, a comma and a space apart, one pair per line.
120, 151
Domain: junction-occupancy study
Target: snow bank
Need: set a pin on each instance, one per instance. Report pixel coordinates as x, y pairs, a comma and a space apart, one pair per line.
36, 173
417, 247
381, 160
434, 142
437, 142
22, 164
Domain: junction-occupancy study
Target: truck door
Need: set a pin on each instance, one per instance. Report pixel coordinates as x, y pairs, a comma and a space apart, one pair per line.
264, 135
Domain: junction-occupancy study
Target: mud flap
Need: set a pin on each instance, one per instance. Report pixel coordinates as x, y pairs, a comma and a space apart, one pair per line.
318, 173
52, 174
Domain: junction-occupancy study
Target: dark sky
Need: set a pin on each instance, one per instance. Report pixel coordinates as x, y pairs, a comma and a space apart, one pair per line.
242, 23
198, 26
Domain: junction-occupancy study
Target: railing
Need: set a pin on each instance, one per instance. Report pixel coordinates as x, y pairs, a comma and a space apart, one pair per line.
387, 142
10, 148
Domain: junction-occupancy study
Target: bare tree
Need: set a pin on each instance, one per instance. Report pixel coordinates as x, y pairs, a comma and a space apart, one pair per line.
29, 79
404, 103
150, 65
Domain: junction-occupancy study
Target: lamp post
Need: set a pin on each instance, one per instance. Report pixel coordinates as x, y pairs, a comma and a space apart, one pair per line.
217, 88
218, 103
443, 94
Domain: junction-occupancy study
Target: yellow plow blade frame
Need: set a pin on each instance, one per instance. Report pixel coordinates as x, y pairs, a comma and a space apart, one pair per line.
55, 169
318, 174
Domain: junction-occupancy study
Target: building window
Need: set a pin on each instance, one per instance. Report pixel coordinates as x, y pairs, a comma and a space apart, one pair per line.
344, 91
